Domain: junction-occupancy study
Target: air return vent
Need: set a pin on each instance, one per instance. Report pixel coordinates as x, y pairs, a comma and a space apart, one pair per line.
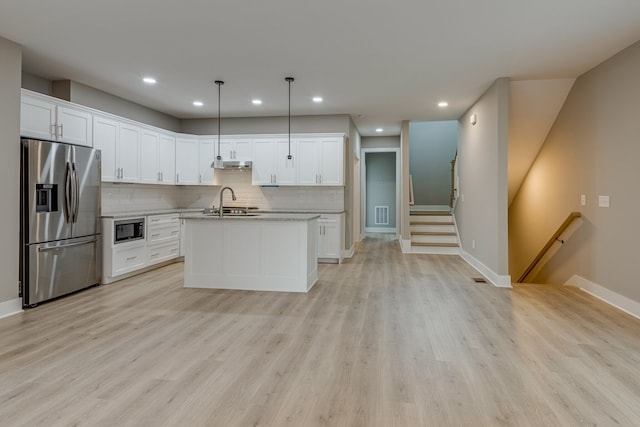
382, 215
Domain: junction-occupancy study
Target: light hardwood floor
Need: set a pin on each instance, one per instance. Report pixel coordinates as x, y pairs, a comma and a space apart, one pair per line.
381, 340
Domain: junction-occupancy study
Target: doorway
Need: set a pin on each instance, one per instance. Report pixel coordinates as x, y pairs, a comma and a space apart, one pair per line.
380, 208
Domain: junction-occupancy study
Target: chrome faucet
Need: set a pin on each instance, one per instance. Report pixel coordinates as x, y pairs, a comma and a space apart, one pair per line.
233, 197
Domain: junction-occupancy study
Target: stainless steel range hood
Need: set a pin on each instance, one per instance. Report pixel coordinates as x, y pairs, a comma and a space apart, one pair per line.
233, 164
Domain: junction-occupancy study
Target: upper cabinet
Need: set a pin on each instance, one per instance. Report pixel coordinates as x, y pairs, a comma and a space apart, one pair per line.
137, 153
157, 158
234, 148
321, 160
45, 118
120, 146
270, 163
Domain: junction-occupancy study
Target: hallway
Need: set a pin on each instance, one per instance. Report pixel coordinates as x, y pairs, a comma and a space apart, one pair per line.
383, 339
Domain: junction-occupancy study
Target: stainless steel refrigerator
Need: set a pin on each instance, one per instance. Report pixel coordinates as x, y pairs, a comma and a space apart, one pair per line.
59, 219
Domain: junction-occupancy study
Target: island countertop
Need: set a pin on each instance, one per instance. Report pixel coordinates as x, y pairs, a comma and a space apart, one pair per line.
261, 217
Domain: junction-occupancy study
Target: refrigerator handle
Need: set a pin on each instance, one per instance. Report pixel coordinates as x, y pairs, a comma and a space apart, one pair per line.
67, 245
76, 195
67, 194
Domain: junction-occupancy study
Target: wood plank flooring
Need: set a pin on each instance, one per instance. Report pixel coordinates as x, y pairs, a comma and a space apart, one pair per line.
384, 339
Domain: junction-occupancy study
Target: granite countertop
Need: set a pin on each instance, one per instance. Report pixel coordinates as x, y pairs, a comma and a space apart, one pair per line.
261, 217
149, 212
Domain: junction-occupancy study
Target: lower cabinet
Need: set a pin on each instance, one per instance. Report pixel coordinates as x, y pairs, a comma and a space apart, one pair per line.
330, 237
161, 243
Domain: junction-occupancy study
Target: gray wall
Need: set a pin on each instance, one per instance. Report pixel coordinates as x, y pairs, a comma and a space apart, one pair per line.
252, 125
592, 149
85, 95
381, 186
380, 142
432, 146
36, 84
11, 72
482, 210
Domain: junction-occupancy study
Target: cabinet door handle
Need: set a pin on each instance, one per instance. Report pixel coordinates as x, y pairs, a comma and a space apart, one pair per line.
320, 178
177, 177
161, 176
62, 130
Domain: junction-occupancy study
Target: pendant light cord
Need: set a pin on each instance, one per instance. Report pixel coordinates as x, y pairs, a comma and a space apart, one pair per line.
219, 83
289, 80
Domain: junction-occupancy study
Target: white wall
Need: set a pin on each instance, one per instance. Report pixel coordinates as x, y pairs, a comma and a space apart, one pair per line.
10, 70
482, 210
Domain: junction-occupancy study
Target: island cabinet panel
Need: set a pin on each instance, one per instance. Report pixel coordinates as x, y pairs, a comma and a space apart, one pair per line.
251, 253
240, 259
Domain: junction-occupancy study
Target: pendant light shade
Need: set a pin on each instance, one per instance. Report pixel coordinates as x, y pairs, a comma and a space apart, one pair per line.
217, 163
289, 80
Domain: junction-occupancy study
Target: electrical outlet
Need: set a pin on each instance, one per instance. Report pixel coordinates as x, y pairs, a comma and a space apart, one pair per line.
473, 244
583, 200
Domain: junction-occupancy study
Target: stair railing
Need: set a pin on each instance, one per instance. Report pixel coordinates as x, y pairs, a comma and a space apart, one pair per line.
452, 195
559, 238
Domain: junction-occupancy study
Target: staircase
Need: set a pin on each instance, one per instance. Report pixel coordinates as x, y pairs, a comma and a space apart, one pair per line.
433, 231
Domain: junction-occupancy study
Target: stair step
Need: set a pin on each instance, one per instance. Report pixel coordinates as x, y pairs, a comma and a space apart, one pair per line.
434, 239
438, 213
439, 245
431, 218
432, 228
432, 233
430, 223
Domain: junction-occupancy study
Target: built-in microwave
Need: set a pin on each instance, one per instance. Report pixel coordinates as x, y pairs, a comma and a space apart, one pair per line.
126, 230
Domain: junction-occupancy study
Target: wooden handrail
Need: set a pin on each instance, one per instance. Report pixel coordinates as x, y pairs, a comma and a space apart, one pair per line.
567, 222
452, 195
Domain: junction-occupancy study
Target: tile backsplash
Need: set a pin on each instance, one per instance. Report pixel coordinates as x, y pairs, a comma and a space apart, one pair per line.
133, 197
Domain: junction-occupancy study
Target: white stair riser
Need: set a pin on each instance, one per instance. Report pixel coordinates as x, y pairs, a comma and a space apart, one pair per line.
433, 239
434, 250
433, 228
430, 218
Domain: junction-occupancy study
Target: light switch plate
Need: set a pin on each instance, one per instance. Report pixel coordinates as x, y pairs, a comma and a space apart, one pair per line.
583, 200
603, 201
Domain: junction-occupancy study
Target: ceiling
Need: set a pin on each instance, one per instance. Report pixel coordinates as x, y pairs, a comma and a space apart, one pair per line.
379, 61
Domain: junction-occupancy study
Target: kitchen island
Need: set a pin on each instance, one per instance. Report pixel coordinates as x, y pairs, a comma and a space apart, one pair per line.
267, 252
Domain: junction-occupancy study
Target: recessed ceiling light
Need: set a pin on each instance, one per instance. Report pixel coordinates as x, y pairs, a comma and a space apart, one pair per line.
379, 130
317, 99
149, 80
443, 104
256, 101
198, 103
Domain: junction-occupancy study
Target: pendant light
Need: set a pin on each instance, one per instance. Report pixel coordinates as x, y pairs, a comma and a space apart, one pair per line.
289, 80
217, 163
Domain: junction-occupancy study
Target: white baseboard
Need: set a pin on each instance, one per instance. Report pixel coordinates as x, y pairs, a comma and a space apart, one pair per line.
499, 281
612, 298
8, 308
348, 253
405, 245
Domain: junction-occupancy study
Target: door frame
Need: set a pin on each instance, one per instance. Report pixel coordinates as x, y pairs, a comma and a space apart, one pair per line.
363, 187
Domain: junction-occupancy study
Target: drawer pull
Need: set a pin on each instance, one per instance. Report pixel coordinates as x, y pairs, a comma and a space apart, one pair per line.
156, 254
155, 235
131, 258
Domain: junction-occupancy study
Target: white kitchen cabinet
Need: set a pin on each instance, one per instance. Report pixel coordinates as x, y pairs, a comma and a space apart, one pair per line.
235, 148
163, 237
157, 158
162, 243
120, 146
105, 138
45, 118
206, 156
330, 237
320, 160
270, 163
187, 165
167, 159
128, 152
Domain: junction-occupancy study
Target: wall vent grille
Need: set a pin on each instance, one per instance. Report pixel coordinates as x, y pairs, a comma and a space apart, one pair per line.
382, 215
